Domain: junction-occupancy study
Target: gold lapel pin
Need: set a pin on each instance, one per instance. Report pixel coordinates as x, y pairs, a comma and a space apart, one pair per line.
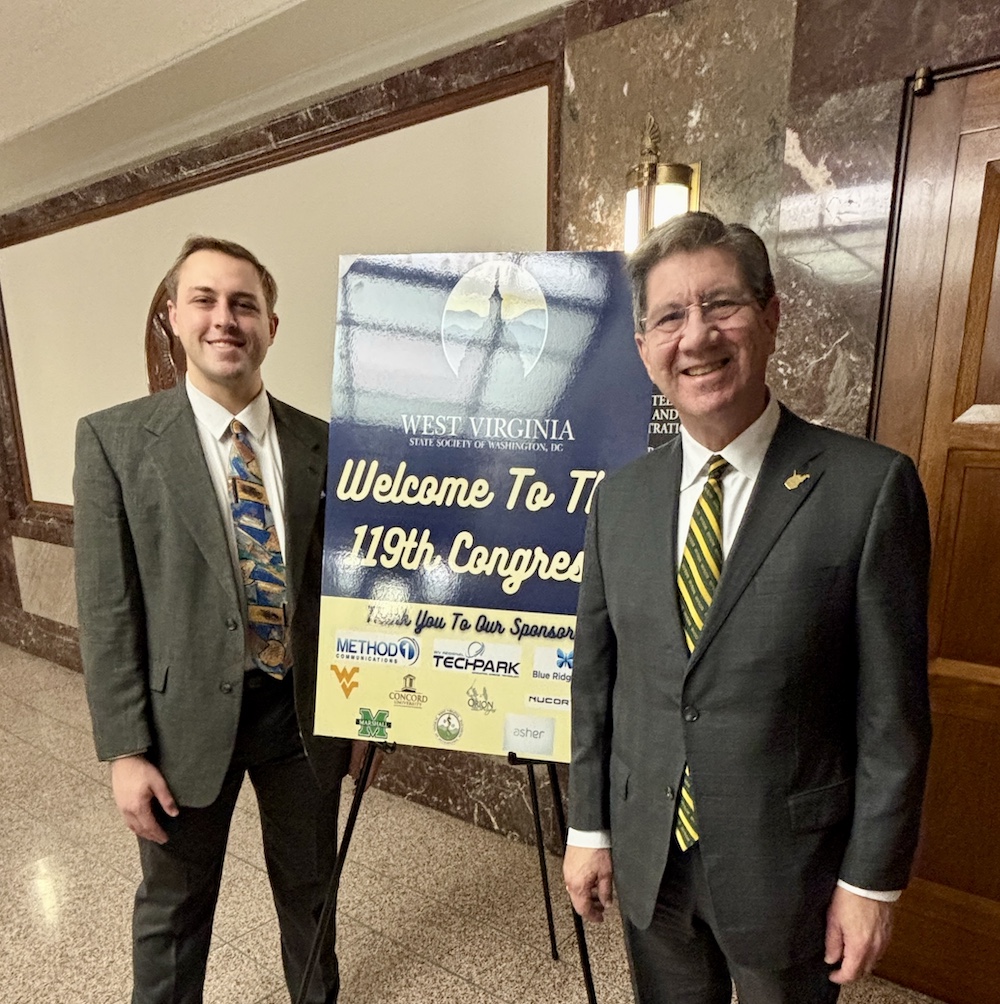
793, 482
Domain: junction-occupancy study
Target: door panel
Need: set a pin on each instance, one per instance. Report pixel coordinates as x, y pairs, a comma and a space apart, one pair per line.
969, 540
946, 361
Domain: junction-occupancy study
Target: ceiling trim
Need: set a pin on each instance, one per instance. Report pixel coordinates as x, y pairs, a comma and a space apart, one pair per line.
483, 73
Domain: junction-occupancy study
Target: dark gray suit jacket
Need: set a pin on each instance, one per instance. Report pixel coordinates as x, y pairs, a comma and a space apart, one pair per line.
803, 710
162, 614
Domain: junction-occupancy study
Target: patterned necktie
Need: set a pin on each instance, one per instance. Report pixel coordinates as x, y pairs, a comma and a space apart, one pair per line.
697, 578
260, 557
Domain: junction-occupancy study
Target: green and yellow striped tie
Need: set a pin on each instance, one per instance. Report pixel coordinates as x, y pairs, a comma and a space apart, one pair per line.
697, 578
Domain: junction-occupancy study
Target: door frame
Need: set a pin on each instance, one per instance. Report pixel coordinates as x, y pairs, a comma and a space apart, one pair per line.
908, 394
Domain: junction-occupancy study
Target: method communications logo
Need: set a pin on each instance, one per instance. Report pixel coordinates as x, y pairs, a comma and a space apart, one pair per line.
371, 647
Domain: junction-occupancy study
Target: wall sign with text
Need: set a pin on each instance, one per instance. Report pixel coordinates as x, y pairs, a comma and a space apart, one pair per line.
478, 402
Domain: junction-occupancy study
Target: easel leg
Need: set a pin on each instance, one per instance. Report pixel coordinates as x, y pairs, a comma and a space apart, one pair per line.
581, 937
557, 805
542, 865
330, 903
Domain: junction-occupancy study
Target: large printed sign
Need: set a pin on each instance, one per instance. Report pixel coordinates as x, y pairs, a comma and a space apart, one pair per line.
478, 402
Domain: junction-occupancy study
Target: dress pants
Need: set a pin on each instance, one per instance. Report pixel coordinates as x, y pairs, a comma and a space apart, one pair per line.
678, 960
175, 902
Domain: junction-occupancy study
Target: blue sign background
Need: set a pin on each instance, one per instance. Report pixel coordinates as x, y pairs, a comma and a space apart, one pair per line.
395, 376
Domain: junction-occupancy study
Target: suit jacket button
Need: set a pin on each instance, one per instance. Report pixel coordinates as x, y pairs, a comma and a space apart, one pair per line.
226, 688
231, 624
691, 713
669, 793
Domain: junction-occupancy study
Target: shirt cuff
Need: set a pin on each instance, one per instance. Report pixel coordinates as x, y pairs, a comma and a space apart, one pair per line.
881, 896
588, 838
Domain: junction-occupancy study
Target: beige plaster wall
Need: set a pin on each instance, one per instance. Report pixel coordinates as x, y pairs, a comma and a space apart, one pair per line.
76, 301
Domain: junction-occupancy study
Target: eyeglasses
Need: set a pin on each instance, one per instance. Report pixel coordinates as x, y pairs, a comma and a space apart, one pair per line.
712, 312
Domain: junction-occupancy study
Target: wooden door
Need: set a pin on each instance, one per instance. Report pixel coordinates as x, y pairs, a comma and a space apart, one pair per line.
940, 402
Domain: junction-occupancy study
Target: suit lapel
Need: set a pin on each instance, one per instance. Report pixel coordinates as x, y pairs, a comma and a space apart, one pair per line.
666, 485
304, 462
770, 508
175, 450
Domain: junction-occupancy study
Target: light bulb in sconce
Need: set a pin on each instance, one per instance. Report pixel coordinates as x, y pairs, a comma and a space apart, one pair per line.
656, 191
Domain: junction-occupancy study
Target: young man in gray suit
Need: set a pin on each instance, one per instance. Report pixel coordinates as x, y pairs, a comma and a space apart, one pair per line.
750, 709
199, 536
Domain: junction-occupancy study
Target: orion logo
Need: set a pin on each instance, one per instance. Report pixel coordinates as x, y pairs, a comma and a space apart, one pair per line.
373, 726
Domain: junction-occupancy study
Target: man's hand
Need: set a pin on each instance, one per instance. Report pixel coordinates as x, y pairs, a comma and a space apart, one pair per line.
587, 873
857, 932
359, 749
135, 783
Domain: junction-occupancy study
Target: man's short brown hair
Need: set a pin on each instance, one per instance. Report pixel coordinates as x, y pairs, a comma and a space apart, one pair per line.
692, 232
234, 250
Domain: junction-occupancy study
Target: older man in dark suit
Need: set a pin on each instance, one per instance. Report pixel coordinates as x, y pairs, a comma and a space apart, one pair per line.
199, 534
750, 710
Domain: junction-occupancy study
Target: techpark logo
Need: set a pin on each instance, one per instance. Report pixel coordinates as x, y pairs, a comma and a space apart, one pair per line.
488, 659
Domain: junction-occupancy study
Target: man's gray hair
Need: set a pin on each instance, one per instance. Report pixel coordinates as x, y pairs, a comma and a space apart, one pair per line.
692, 232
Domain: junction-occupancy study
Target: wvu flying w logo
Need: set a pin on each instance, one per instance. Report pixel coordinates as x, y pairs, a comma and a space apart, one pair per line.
373, 726
346, 677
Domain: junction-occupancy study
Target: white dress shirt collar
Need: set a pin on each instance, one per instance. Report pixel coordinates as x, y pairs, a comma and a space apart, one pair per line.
745, 453
256, 416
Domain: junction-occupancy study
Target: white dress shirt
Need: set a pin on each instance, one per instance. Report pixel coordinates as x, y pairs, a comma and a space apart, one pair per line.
213, 423
745, 454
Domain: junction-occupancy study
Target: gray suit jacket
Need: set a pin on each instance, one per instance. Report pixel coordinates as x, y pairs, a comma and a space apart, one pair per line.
803, 710
161, 611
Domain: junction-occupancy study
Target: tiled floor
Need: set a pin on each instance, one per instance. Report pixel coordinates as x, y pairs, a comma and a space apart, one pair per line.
431, 909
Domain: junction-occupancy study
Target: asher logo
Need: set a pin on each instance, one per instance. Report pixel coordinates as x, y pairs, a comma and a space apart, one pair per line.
346, 678
529, 734
373, 726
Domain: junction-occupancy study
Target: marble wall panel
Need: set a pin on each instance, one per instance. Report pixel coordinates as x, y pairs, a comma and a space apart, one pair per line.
46, 579
715, 75
850, 62
845, 44
834, 215
485, 790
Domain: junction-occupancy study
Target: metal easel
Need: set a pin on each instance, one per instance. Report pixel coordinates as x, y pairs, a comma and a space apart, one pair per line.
330, 903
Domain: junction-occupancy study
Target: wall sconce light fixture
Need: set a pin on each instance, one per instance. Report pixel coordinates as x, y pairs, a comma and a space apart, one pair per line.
657, 191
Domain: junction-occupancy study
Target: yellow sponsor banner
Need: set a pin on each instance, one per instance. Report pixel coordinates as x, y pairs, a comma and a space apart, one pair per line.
483, 681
